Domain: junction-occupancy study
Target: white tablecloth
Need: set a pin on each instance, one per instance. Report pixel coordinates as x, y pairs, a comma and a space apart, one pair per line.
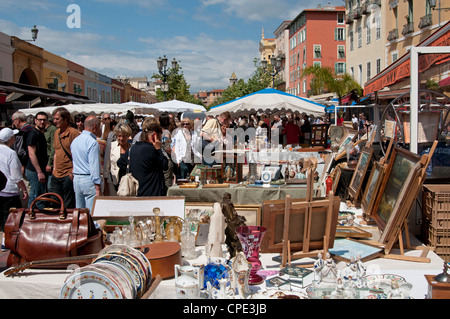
46, 284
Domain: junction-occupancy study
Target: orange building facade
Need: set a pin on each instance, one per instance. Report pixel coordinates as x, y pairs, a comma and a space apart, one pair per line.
316, 37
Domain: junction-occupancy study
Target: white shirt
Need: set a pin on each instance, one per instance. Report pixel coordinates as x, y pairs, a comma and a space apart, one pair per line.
181, 146
11, 167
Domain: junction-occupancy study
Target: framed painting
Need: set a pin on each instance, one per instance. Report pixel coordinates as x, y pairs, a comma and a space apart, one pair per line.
197, 213
198, 170
337, 133
390, 128
372, 187
343, 153
393, 186
231, 169
349, 137
357, 180
319, 134
252, 214
200, 213
402, 207
326, 167
352, 232
337, 176
345, 248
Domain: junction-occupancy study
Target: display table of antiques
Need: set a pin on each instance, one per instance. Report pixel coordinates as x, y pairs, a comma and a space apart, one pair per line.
380, 274
353, 268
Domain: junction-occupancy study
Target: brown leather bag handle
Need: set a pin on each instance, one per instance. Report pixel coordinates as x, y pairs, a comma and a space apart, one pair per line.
45, 197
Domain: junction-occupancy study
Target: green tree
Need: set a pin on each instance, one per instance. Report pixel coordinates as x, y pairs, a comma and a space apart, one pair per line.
325, 77
258, 81
178, 87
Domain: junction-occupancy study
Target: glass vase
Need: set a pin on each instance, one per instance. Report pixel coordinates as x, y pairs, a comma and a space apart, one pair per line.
251, 238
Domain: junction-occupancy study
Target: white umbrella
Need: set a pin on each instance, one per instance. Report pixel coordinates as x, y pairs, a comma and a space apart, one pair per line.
269, 101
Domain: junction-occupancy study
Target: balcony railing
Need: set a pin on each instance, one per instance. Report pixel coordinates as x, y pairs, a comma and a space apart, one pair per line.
393, 34
349, 17
425, 21
364, 7
408, 28
358, 12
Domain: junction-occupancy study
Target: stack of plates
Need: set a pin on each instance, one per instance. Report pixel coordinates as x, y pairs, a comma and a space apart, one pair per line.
118, 272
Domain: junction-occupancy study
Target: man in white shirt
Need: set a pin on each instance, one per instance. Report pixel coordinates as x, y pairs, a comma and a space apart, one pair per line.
11, 167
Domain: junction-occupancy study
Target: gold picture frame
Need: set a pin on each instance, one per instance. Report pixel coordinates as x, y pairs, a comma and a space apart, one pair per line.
373, 186
357, 180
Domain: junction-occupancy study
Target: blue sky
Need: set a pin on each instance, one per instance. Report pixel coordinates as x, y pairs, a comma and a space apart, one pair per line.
210, 38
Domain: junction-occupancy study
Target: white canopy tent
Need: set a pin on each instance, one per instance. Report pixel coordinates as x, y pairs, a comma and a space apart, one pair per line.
269, 101
94, 108
173, 106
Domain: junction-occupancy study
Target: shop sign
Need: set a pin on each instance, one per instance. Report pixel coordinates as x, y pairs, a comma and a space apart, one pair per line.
403, 71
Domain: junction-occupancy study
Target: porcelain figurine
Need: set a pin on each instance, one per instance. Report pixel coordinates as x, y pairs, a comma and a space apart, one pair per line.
395, 292
240, 275
223, 292
318, 266
216, 235
186, 283
350, 272
339, 292
361, 269
329, 270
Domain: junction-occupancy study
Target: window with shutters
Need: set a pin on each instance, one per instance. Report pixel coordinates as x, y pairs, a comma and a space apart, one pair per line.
339, 34
317, 51
341, 51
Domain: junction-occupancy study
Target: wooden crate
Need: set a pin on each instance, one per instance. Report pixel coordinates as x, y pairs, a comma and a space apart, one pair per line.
440, 241
436, 205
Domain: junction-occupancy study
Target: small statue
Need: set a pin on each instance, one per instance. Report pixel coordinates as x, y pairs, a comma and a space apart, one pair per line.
361, 269
350, 272
329, 270
318, 266
395, 292
158, 236
233, 221
216, 235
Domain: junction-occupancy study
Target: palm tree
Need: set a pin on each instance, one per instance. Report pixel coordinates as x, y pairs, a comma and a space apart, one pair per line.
325, 77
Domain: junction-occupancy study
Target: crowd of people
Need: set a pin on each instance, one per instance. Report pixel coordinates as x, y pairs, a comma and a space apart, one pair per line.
80, 157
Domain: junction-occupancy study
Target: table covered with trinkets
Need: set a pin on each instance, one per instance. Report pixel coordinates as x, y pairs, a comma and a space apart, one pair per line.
278, 281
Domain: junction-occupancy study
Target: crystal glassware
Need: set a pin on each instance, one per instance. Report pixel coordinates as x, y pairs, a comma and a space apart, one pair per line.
251, 238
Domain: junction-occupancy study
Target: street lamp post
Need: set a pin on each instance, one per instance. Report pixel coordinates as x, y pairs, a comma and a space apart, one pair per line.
162, 68
34, 34
276, 66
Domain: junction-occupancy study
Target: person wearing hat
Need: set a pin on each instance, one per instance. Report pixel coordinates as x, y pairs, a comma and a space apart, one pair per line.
11, 167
